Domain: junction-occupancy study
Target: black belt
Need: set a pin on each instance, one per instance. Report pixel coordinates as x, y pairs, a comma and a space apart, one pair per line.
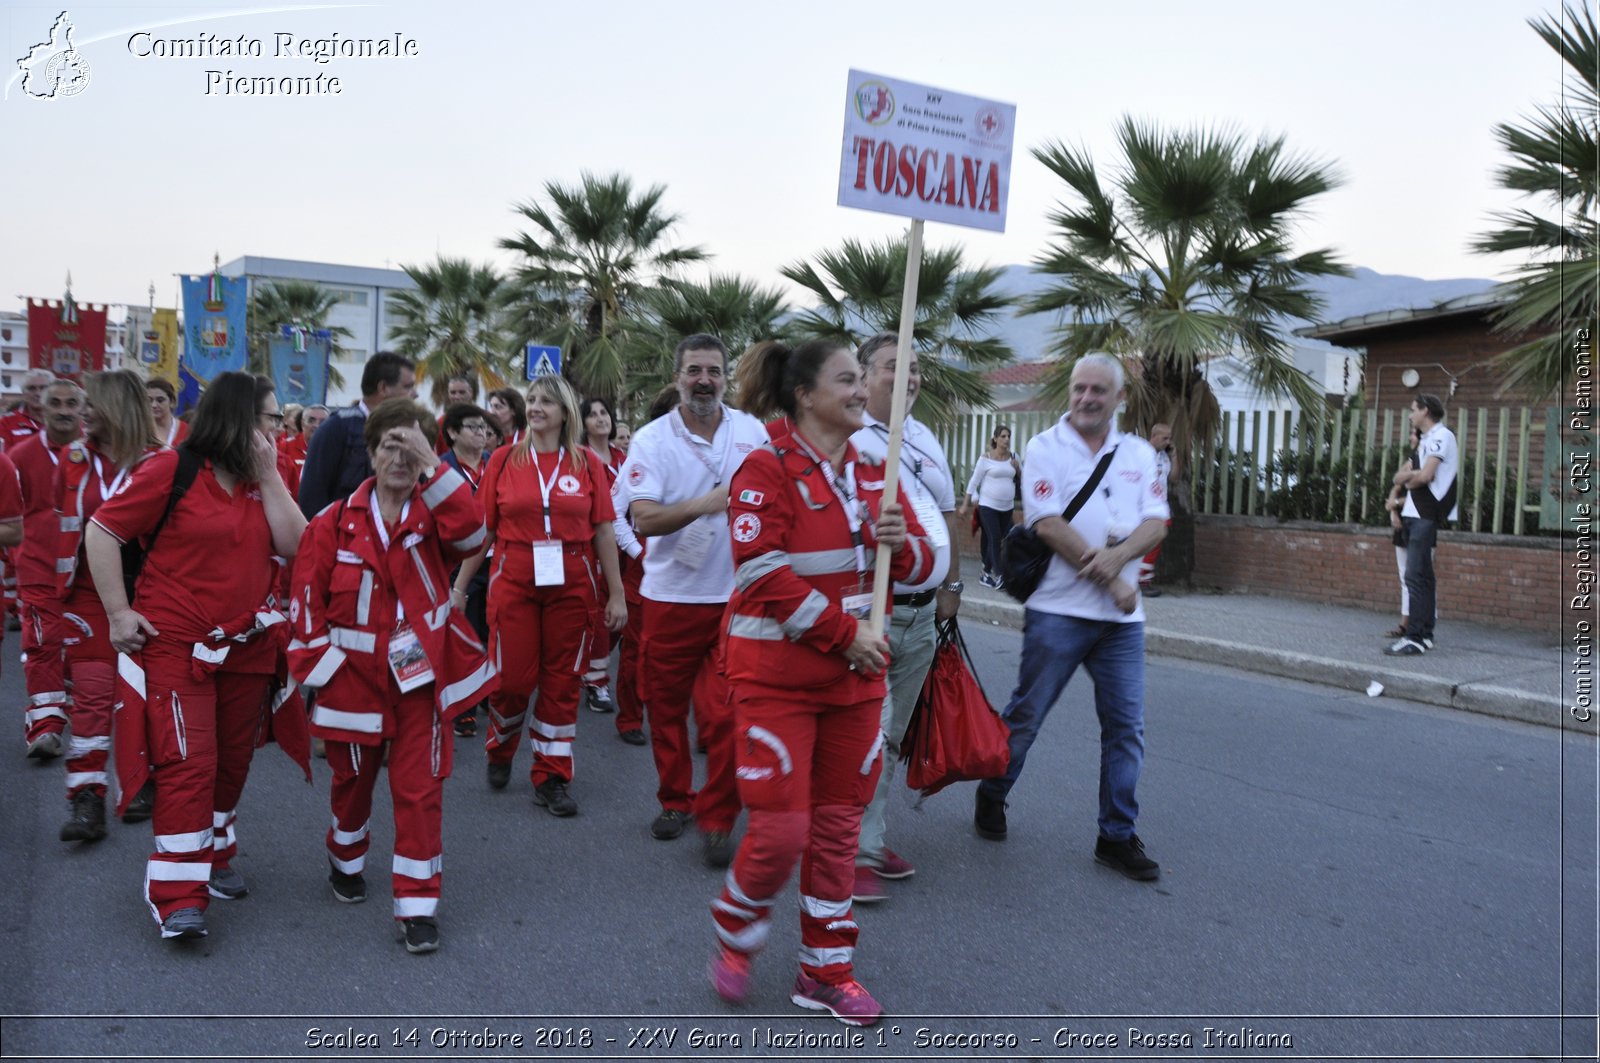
917, 600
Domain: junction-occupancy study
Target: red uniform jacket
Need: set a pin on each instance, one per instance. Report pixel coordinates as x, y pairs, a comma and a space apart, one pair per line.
794, 561
347, 586
35, 559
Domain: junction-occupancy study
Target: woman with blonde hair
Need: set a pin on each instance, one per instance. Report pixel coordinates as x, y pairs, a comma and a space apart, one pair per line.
547, 506
119, 432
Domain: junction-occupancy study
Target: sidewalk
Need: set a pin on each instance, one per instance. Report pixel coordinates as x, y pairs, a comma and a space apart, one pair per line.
1474, 667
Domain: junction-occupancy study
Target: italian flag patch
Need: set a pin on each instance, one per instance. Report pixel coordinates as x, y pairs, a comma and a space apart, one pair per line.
751, 498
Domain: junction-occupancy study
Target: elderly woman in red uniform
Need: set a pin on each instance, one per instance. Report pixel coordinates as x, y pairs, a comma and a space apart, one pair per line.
375, 634
805, 672
202, 647
120, 433
548, 507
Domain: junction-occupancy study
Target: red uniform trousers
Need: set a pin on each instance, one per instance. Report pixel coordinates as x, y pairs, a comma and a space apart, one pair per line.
541, 643
598, 674
680, 657
43, 663
92, 667
806, 772
630, 705
202, 733
419, 763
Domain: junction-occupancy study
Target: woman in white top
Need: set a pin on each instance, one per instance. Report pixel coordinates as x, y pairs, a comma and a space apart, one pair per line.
993, 489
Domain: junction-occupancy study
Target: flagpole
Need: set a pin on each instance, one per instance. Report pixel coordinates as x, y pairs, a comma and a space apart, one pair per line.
897, 416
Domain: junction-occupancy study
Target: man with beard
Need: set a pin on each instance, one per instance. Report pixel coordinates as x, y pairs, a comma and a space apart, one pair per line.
677, 477
43, 666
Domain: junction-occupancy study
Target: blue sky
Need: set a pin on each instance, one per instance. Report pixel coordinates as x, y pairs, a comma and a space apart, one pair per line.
735, 107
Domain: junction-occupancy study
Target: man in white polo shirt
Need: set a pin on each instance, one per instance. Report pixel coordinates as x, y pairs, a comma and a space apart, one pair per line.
1430, 501
925, 482
1087, 609
677, 476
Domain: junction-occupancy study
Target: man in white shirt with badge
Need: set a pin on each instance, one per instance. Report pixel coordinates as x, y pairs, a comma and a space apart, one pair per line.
1430, 501
677, 476
1086, 609
926, 484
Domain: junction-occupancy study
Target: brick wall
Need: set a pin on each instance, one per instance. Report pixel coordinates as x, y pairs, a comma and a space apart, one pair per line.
1486, 578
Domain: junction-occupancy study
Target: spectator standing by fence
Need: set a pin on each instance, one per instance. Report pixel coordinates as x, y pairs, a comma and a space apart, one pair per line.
993, 489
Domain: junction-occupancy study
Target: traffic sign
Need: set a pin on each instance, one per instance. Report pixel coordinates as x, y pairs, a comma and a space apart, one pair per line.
543, 361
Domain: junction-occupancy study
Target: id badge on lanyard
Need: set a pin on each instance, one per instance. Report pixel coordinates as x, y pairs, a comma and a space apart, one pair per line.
549, 567
407, 660
858, 602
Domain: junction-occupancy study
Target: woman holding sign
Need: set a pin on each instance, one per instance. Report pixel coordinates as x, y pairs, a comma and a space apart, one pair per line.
547, 504
806, 674
375, 634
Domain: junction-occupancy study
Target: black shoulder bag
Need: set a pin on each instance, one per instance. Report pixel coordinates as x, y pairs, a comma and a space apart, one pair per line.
1024, 557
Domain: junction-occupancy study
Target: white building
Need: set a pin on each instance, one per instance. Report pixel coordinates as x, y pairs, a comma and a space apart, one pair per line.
1336, 373
365, 297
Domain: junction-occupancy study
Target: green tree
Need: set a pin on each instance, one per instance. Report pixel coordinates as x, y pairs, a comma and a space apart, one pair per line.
1179, 254
448, 324
278, 303
1554, 155
585, 266
735, 310
860, 285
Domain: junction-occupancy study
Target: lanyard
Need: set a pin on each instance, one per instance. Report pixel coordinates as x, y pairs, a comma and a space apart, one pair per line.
853, 509
377, 518
172, 431
916, 465
546, 488
107, 490
717, 469
44, 441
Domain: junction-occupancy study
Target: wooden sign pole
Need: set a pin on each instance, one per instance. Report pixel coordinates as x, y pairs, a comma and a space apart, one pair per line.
897, 416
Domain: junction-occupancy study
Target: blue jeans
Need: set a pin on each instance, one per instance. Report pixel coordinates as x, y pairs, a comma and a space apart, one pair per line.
994, 523
1421, 536
1113, 654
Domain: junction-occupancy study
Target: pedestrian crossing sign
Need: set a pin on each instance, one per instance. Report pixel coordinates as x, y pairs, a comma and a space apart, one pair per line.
543, 361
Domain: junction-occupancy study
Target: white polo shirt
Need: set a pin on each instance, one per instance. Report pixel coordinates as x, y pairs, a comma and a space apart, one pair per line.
670, 464
1058, 463
925, 482
1439, 442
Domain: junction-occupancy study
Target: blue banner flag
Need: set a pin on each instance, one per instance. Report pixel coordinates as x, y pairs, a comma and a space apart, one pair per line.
213, 322
299, 360
188, 389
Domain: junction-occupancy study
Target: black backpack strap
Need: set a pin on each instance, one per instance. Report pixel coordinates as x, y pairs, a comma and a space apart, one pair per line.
183, 477
1088, 486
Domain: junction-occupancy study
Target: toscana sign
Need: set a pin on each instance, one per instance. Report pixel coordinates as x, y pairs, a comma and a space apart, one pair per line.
927, 153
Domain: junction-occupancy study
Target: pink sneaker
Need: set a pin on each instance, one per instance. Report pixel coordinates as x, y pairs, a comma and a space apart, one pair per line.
892, 865
850, 1003
869, 887
730, 975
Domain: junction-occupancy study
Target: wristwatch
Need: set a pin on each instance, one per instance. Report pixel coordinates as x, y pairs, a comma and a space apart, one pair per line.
954, 588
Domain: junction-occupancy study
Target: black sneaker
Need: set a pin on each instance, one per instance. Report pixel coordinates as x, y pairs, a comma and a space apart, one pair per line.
600, 699
669, 824
498, 775
634, 737
466, 725
1406, 647
1150, 592
421, 933
88, 822
989, 817
719, 848
1127, 857
1427, 642
552, 794
350, 889
184, 924
143, 805
226, 884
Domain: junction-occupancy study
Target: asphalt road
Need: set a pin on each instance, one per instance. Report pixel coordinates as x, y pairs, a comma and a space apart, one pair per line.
1356, 878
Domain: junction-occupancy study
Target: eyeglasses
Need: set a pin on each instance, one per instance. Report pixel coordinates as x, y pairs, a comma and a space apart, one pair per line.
276, 418
474, 426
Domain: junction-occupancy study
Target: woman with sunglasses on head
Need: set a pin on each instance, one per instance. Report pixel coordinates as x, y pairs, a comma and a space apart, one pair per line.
204, 636
548, 510
510, 413
806, 675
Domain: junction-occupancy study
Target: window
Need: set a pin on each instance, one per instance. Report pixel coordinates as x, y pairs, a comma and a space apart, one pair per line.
345, 295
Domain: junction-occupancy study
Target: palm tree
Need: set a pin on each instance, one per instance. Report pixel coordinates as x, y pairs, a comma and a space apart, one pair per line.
1184, 256
448, 324
1554, 156
586, 266
284, 302
735, 310
860, 287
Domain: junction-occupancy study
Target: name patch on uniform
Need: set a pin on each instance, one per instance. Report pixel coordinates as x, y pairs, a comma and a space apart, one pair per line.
746, 527
751, 498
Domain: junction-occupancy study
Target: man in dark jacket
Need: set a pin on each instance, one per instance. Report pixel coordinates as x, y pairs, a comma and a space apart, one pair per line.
336, 458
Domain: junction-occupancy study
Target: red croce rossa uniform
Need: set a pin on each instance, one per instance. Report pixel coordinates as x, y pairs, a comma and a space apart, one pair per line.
34, 563
807, 738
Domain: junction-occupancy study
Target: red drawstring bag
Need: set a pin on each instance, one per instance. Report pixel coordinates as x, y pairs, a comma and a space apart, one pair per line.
954, 734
